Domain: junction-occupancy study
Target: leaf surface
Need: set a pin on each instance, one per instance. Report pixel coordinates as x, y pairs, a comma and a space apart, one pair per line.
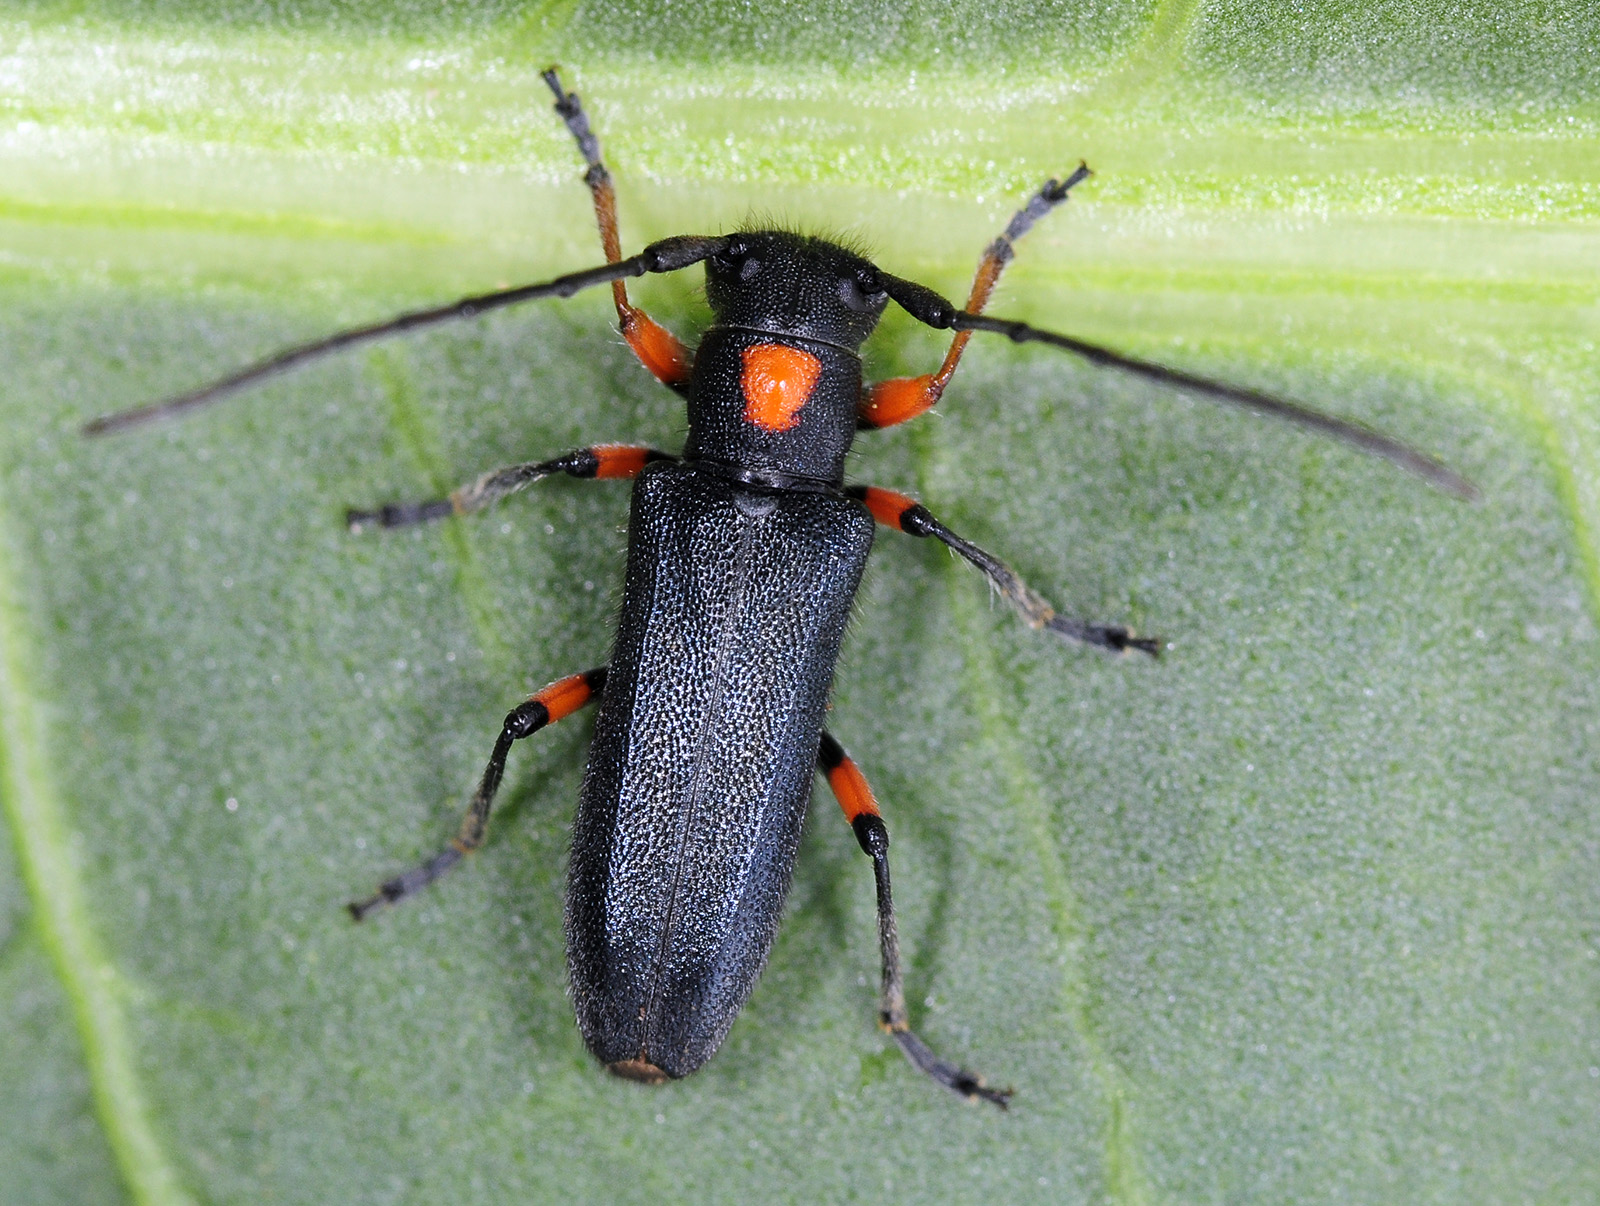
1305, 911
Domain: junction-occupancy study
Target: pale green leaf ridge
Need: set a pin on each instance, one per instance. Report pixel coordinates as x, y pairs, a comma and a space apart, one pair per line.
39, 832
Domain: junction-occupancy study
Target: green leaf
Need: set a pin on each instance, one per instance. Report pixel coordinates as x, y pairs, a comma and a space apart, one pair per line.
1304, 911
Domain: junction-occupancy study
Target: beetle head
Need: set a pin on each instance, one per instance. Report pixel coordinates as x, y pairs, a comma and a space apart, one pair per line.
795, 285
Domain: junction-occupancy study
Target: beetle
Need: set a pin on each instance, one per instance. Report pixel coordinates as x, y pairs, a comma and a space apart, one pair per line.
745, 552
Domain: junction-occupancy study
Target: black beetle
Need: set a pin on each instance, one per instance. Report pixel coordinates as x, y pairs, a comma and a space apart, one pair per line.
744, 555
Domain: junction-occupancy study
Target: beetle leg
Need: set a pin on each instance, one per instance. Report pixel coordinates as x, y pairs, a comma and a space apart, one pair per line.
558, 700
908, 515
850, 788
901, 398
657, 348
598, 462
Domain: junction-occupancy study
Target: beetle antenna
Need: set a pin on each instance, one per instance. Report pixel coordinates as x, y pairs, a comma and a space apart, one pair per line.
934, 310
667, 255
1357, 435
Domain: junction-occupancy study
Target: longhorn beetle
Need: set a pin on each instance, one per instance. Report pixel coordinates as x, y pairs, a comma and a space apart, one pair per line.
744, 554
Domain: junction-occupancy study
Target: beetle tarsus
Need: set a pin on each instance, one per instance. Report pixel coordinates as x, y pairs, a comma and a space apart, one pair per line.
399, 515
394, 890
1107, 636
952, 1076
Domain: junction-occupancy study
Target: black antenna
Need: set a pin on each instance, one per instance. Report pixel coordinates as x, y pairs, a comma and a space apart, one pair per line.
936, 311
668, 255
1355, 434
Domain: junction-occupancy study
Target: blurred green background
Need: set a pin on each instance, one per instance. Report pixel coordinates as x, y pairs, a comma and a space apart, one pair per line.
1308, 911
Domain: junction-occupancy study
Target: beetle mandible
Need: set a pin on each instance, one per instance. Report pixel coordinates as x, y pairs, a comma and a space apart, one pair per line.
745, 551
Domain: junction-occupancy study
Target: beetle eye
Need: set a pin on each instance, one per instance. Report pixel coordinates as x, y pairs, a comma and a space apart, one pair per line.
862, 292
735, 256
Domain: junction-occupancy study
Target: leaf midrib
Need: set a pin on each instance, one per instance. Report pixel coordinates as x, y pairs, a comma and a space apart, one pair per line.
55, 891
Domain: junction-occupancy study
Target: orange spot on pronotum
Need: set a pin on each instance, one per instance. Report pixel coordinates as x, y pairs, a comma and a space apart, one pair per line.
850, 788
898, 399
777, 381
565, 697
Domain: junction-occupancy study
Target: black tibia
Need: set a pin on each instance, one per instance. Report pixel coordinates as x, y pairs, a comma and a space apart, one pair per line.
586, 463
873, 837
524, 720
1030, 604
